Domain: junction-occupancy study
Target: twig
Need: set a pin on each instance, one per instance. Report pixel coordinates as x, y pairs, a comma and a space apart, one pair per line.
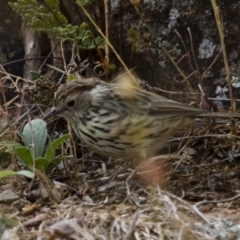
194, 58
221, 35
210, 66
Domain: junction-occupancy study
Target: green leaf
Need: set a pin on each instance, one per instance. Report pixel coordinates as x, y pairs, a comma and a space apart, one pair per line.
26, 173
41, 164
7, 173
25, 156
54, 145
35, 136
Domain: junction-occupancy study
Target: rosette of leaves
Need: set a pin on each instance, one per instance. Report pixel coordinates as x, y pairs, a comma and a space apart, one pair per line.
32, 154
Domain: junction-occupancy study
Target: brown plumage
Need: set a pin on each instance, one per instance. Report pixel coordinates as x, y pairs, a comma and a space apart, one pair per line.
122, 122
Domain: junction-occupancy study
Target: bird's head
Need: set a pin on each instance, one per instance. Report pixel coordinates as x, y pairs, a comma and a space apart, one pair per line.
73, 96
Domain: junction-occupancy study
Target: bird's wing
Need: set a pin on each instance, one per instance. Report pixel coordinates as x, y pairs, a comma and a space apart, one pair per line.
142, 102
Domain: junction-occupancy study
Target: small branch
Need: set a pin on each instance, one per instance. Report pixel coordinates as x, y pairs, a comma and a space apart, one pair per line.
210, 66
194, 57
221, 35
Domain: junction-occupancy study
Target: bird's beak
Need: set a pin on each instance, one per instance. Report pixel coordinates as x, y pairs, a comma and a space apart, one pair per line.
53, 112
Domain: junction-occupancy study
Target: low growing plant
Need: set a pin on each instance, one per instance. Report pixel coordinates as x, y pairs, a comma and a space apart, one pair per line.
32, 154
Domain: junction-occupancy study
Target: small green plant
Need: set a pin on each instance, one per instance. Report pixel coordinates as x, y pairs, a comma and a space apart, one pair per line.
80, 36
32, 154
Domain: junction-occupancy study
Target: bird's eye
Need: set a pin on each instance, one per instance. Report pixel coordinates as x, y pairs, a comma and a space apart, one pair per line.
71, 103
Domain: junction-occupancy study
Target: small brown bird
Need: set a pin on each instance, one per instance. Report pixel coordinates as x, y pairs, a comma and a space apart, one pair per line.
120, 121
